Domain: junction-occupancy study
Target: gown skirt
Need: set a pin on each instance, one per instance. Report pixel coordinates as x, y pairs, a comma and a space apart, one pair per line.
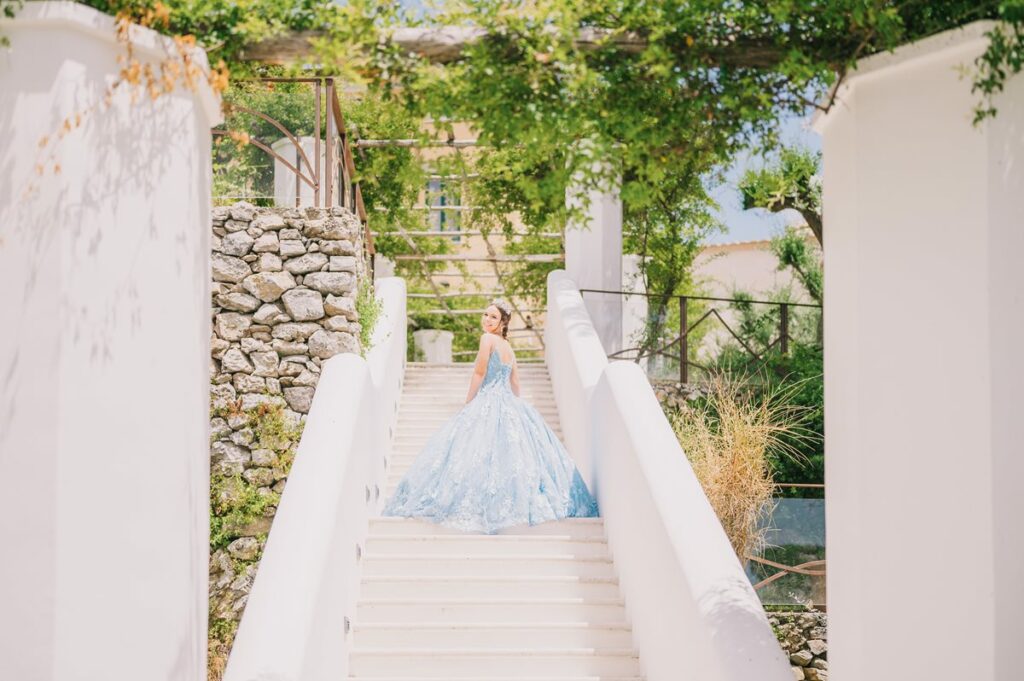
492, 465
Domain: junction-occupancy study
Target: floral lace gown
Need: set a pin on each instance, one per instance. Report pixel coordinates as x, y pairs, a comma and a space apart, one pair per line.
494, 464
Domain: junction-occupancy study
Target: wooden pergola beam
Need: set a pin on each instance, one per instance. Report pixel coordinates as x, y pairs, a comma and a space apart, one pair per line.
440, 45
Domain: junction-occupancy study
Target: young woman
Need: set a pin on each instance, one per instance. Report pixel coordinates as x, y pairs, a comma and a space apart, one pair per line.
495, 463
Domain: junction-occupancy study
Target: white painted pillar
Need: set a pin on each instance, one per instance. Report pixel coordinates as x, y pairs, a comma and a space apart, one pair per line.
433, 345
593, 258
104, 360
284, 177
634, 308
924, 234
383, 266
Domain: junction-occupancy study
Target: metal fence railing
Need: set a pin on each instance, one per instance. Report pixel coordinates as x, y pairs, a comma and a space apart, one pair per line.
304, 156
693, 313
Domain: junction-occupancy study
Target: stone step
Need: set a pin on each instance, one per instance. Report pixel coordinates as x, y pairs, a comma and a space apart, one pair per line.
496, 635
574, 527
462, 663
490, 587
490, 677
412, 428
463, 366
400, 610
486, 566
486, 545
456, 397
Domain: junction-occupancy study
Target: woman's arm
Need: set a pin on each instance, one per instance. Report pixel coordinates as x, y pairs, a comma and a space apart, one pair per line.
514, 378
479, 367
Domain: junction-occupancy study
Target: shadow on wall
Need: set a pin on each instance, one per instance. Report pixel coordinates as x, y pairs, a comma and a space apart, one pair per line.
105, 342
94, 200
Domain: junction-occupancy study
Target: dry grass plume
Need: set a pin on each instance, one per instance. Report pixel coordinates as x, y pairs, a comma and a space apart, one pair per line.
729, 441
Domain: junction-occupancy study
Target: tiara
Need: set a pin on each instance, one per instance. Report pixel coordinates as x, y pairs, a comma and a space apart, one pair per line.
502, 305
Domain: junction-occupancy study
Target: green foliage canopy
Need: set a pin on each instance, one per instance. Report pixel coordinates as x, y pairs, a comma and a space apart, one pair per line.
659, 89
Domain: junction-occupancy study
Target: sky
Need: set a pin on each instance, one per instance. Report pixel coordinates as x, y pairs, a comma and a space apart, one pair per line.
747, 225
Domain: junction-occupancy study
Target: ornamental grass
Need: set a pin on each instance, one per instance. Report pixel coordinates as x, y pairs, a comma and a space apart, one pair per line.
730, 438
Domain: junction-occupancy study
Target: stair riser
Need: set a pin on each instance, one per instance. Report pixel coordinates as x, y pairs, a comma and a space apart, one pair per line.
495, 637
462, 385
411, 444
423, 420
407, 437
397, 467
576, 528
450, 404
458, 393
466, 666
484, 567
395, 475
421, 588
479, 545
489, 612
416, 382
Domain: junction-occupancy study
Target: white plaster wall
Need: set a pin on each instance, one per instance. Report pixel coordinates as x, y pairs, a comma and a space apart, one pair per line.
103, 356
923, 334
750, 266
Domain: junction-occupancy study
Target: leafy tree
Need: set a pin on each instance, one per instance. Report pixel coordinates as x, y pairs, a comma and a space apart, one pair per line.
657, 89
668, 234
791, 183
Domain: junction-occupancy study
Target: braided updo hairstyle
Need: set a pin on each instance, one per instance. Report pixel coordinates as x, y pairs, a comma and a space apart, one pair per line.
505, 310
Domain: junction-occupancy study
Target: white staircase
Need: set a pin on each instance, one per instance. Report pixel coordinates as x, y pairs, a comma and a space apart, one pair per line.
540, 603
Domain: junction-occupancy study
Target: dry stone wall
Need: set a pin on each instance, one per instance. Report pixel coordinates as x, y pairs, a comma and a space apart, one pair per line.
804, 638
284, 300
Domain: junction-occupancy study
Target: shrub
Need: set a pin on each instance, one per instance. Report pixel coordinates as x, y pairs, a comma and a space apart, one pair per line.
730, 438
369, 310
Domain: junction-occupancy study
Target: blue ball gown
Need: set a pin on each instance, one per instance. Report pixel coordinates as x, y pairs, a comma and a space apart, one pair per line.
494, 464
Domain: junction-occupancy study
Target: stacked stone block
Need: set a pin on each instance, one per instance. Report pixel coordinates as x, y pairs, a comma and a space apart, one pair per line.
803, 636
284, 288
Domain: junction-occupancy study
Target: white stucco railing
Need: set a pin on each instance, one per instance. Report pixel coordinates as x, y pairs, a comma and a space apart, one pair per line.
294, 624
693, 611
575, 359
386, 360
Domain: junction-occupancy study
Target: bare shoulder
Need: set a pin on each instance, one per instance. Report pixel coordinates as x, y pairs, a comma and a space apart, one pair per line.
487, 341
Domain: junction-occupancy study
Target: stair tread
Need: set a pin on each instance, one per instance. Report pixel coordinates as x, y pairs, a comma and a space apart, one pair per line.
474, 578
497, 538
492, 625
494, 601
484, 556
625, 652
400, 628
504, 678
